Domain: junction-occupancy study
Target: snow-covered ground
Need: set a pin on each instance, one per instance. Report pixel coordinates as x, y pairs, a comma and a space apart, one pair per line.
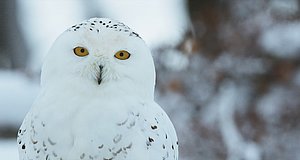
17, 92
8, 149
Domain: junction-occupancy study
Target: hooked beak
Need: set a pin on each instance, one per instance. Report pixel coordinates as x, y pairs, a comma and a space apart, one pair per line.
99, 79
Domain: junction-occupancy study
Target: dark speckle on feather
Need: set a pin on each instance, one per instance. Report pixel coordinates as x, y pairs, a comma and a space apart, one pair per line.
108, 24
101, 146
154, 127
150, 139
82, 156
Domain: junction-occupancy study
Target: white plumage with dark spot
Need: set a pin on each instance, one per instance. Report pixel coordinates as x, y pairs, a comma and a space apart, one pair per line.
97, 100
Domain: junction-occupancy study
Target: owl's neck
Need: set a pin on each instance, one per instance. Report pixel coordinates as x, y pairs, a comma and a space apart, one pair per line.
85, 88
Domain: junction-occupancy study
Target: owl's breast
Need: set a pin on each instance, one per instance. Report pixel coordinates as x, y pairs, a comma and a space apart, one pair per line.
95, 129
100, 129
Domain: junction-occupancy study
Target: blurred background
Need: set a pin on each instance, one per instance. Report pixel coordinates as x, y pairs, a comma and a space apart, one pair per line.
228, 72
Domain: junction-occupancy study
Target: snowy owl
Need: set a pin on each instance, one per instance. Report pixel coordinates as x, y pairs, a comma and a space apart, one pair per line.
97, 100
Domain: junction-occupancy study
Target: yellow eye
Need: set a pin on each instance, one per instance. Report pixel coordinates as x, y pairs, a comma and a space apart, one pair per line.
80, 51
122, 55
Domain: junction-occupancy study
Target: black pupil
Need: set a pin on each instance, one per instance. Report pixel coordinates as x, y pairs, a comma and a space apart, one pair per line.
121, 54
82, 50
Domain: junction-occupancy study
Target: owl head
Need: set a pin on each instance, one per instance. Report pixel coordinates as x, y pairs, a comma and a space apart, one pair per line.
98, 54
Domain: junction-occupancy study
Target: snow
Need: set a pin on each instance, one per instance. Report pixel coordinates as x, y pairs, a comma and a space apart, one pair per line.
8, 149
237, 147
176, 61
284, 7
17, 92
228, 101
272, 104
282, 40
238, 65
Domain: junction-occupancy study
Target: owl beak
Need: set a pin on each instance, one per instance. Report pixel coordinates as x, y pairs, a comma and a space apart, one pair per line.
99, 79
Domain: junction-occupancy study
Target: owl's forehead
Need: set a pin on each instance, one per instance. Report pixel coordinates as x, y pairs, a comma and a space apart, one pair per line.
99, 25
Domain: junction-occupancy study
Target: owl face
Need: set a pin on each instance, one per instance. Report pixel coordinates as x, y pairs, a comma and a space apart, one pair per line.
99, 52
